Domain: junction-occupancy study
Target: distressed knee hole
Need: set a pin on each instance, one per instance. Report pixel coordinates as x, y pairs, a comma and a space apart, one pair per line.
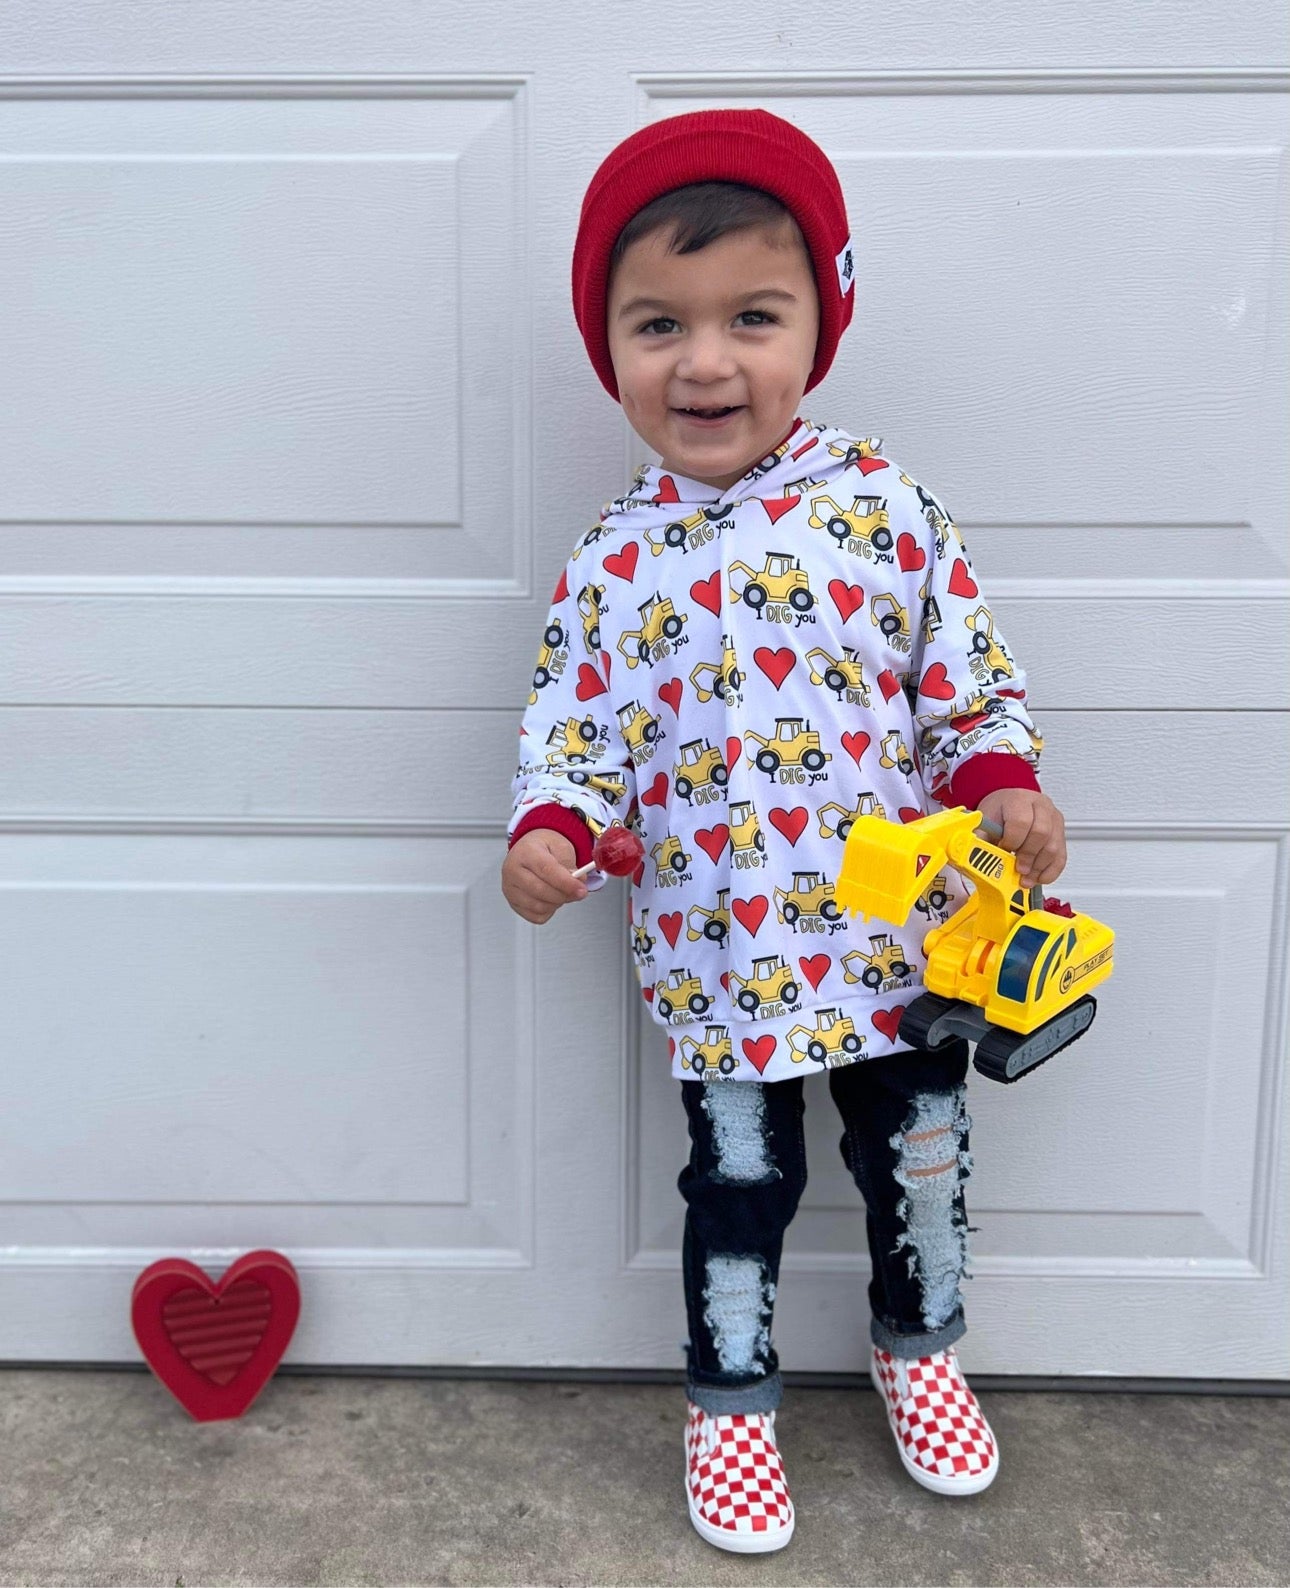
738, 1297
737, 1110
931, 1164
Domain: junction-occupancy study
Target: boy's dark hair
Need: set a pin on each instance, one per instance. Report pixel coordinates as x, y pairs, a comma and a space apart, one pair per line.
702, 212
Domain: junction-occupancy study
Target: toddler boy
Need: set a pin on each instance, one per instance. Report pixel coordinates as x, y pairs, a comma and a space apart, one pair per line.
774, 631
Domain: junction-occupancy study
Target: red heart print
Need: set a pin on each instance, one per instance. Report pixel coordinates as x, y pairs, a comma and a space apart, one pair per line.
907, 813
562, 589
909, 553
623, 563
707, 592
656, 793
667, 491
725, 980
790, 823
868, 465
776, 665
733, 749
855, 744
750, 913
647, 993
961, 581
888, 683
815, 969
670, 926
671, 692
712, 840
758, 1052
935, 683
215, 1344
777, 506
848, 598
888, 1021
590, 683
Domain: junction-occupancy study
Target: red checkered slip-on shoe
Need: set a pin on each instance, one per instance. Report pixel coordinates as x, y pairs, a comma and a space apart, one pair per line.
941, 1432
735, 1481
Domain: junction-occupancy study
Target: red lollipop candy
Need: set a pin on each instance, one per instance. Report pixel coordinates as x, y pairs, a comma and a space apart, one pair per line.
618, 852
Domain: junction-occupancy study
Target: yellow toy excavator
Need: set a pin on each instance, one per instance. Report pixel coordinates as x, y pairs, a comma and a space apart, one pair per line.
1007, 970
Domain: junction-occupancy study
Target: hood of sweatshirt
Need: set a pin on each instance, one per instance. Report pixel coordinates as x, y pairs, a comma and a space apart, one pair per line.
808, 455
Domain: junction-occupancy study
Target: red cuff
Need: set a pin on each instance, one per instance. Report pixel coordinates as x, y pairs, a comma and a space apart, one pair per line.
982, 774
560, 819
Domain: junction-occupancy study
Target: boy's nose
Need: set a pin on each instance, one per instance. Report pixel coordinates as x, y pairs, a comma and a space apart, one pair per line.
706, 358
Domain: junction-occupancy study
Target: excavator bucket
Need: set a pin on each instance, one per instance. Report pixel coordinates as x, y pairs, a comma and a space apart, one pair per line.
886, 865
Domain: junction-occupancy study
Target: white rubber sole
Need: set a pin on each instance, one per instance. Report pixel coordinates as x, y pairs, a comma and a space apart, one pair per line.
972, 1483
723, 1538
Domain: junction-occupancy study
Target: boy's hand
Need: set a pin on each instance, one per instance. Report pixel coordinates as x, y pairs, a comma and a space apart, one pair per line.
537, 875
1034, 831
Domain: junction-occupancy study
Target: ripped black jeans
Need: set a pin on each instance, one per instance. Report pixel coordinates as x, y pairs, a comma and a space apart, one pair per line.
904, 1142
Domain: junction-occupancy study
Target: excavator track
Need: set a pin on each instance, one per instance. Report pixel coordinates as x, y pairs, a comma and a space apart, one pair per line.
932, 1021
1007, 1056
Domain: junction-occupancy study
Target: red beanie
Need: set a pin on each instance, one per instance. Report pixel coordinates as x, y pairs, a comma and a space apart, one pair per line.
747, 146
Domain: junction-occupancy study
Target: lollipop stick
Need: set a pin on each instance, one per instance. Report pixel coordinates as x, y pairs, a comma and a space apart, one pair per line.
583, 870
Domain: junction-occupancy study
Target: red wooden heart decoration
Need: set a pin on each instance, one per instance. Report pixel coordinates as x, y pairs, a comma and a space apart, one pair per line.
215, 1344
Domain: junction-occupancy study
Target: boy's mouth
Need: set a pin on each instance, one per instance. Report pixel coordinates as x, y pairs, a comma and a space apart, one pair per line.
707, 416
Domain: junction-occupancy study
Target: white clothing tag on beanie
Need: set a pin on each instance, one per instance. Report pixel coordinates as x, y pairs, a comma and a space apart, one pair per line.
846, 269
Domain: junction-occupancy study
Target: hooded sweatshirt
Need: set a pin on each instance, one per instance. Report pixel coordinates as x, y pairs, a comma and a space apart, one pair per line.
736, 675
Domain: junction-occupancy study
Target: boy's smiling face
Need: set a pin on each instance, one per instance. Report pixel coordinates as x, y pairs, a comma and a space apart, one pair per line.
733, 325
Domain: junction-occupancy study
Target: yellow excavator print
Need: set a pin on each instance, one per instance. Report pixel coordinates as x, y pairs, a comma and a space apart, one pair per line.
746, 836
895, 752
669, 855
781, 579
891, 619
638, 727
680, 990
809, 895
712, 1056
990, 661
702, 765
866, 520
589, 599
867, 805
886, 967
935, 897
839, 673
723, 682
1008, 971
659, 621
679, 531
795, 744
831, 1041
569, 740
771, 982
712, 924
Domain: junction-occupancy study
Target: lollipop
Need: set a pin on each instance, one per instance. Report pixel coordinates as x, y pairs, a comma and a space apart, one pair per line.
617, 853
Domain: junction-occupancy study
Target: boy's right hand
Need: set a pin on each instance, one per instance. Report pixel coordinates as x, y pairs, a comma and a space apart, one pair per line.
537, 875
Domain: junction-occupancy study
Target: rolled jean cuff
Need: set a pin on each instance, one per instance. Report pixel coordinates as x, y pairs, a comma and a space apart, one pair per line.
763, 1396
913, 1345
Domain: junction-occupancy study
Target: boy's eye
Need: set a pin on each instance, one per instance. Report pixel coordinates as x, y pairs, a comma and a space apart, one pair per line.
663, 324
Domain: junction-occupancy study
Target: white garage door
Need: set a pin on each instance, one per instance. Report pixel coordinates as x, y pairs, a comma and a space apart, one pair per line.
298, 433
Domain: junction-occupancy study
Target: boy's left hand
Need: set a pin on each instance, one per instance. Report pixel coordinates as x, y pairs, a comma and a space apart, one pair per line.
1034, 831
